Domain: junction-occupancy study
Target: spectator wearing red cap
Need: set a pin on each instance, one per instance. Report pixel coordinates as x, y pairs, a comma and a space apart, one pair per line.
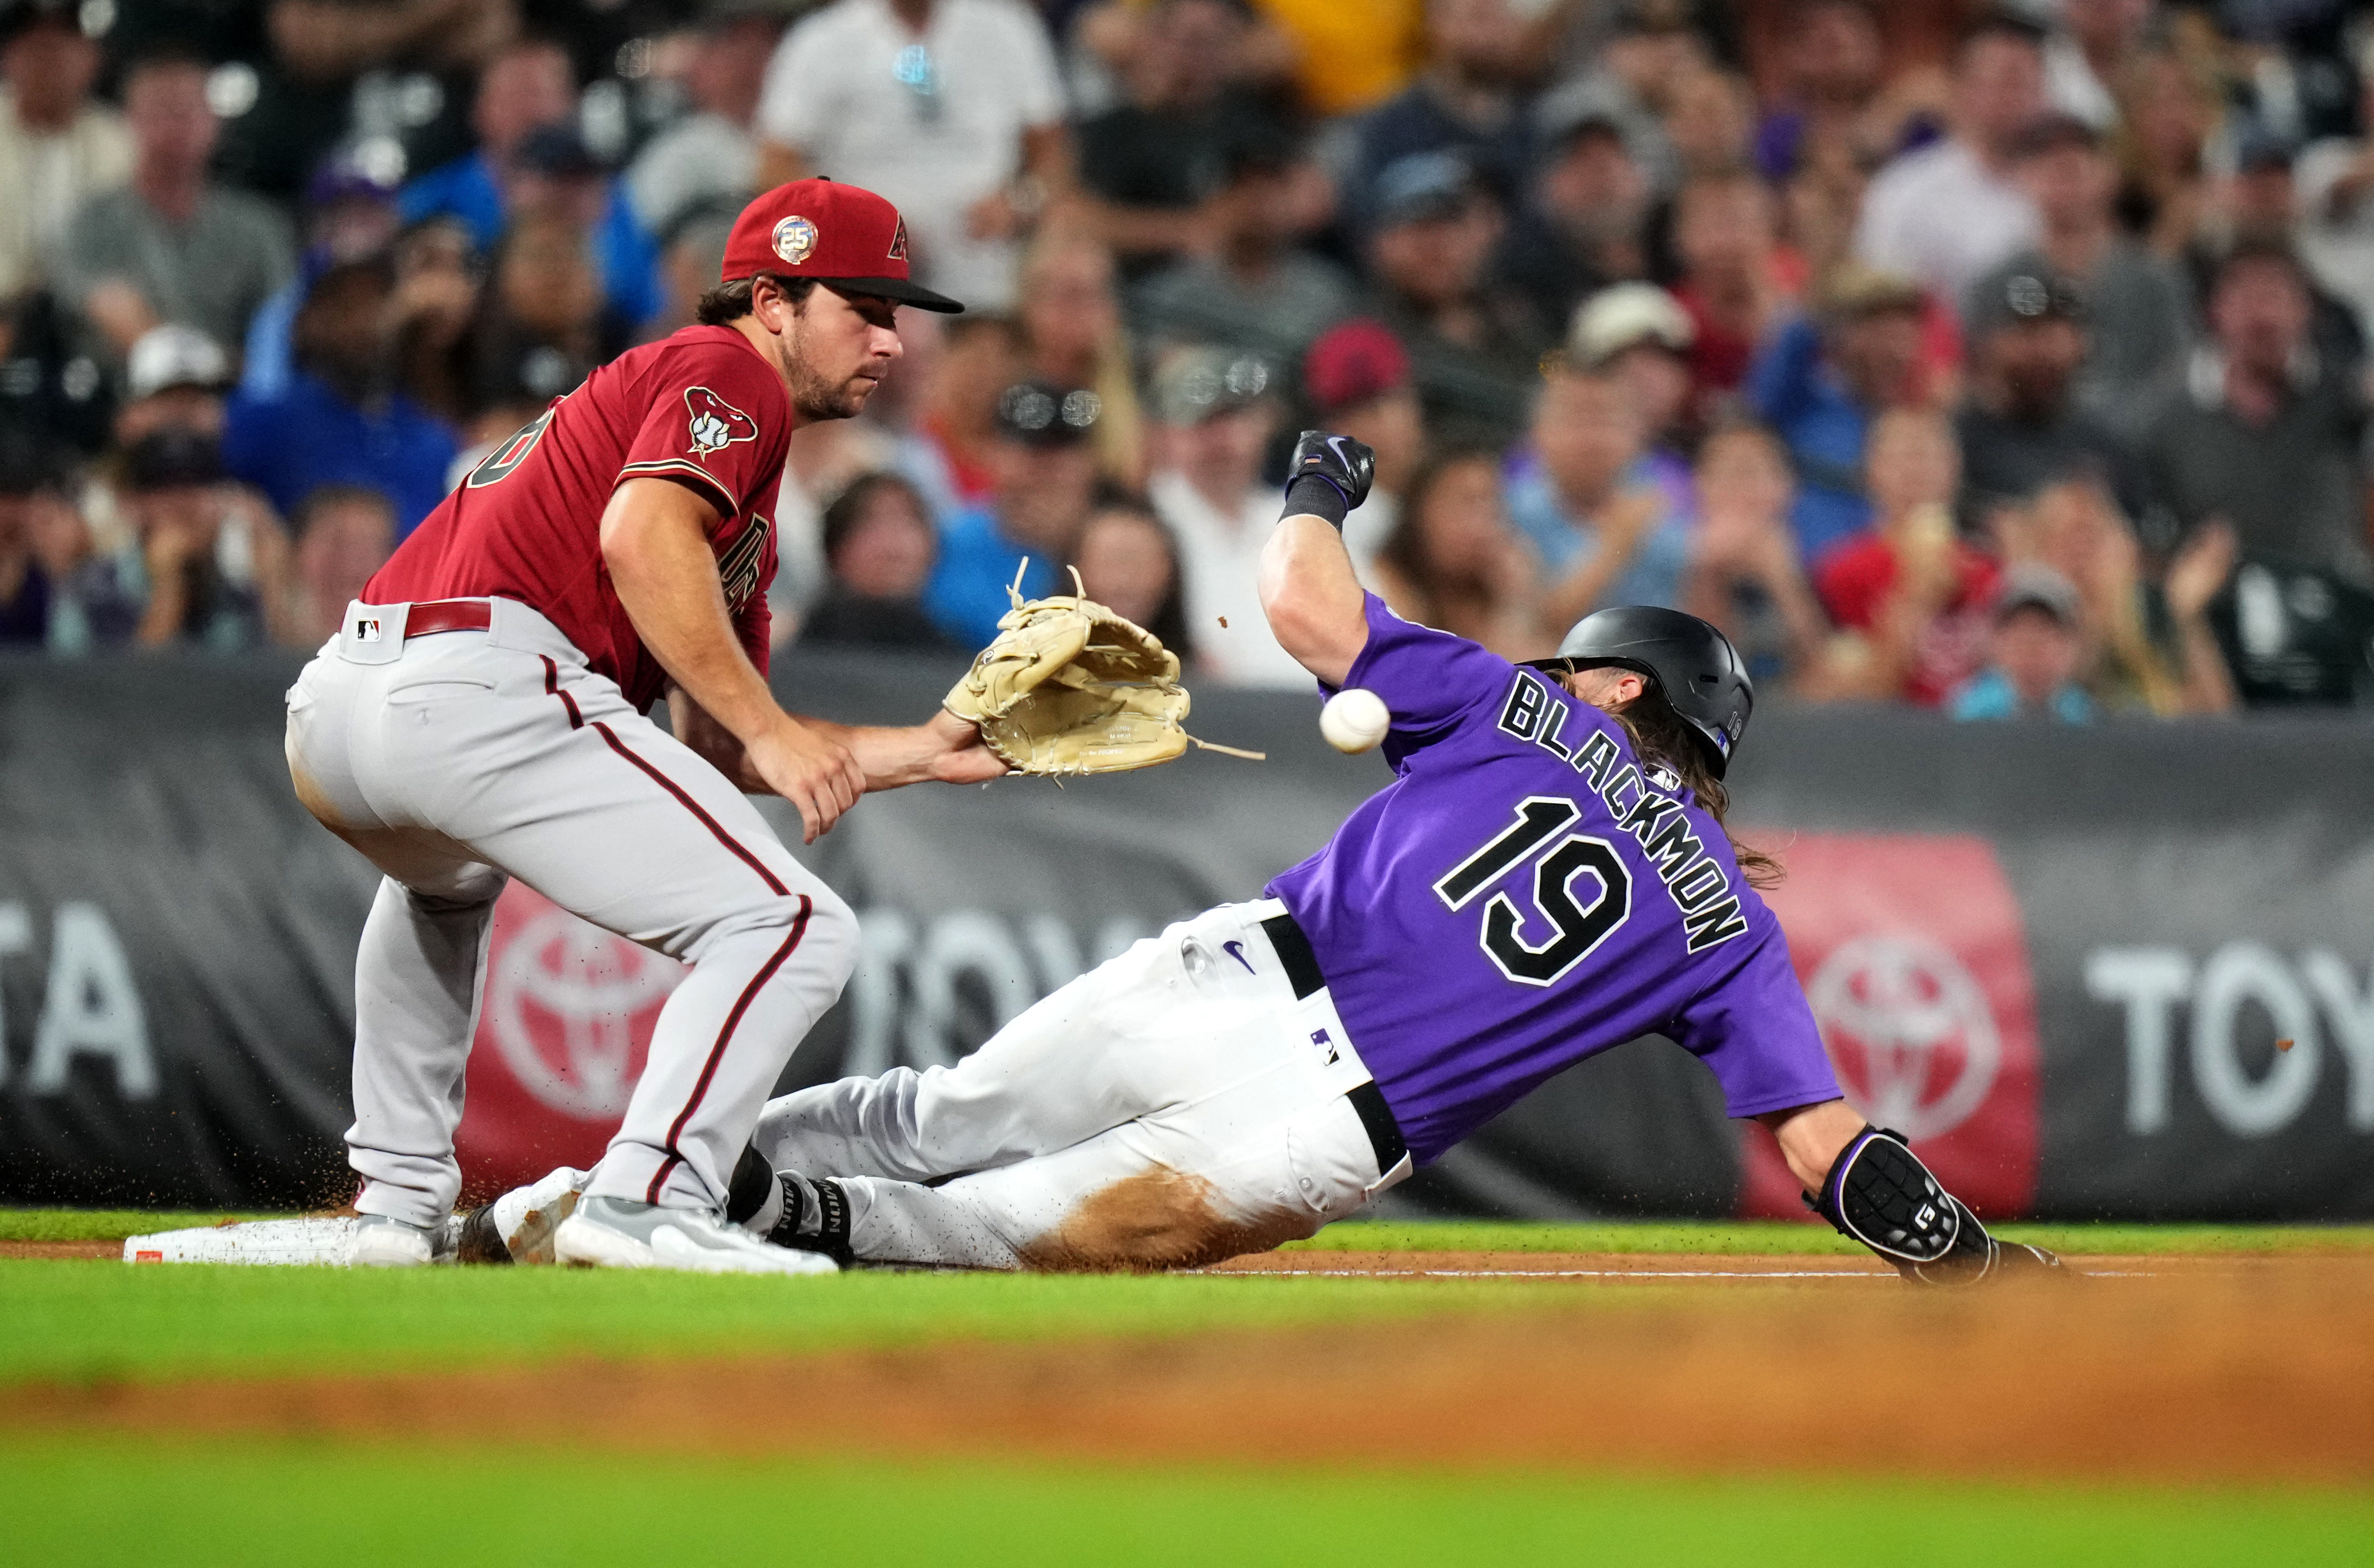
1356, 379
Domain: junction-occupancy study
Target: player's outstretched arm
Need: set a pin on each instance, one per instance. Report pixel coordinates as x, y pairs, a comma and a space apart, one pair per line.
943, 748
655, 543
1315, 605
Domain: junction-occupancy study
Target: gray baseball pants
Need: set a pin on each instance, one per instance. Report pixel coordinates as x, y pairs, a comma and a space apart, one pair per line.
458, 760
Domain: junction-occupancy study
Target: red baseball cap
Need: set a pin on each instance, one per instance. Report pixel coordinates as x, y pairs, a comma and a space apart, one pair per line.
1353, 362
836, 234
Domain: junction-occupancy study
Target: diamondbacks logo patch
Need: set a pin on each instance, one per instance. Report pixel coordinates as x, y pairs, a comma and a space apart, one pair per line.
716, 424
899, 242
795, 240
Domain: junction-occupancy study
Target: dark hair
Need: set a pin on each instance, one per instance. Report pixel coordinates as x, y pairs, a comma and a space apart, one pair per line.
1405, 548
1663, 738
324, 498
849, 508
2259, 251
1998, 23
165, 55
731, 301
1168, 621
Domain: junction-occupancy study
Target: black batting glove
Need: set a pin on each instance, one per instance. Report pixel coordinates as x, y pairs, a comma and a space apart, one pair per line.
1329, 476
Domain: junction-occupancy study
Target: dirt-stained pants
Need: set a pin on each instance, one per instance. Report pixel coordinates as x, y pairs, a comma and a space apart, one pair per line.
457, 760
1175, 1106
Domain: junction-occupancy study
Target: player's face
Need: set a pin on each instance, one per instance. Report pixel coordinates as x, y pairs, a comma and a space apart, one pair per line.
837, 349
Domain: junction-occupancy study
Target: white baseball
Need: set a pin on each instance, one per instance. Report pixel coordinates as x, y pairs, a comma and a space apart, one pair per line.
1354, 719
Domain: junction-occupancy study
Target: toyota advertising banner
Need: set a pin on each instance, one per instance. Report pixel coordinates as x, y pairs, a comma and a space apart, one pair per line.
2125, 972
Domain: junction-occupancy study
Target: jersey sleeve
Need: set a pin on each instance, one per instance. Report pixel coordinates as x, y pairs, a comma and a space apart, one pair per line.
715, 420
1754, 1030
1429, 679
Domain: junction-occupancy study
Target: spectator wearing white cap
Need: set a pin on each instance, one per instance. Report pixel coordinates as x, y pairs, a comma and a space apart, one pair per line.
951, 109
57, 147
1640, 334
173, 378
1599, 521
2334, 181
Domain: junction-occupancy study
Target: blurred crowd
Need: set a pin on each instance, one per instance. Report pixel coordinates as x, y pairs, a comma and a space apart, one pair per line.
2008, 360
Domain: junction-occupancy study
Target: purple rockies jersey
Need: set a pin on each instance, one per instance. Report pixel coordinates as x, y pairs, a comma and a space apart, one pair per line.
1525, 894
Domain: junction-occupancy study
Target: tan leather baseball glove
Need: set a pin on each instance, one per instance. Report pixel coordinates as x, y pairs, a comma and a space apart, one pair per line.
1071, 688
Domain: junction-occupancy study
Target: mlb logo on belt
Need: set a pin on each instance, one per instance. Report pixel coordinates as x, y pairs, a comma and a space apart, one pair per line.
367, 628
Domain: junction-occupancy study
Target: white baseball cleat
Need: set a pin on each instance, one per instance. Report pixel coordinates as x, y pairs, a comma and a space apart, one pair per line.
383, 1242
615, 1232
517, 1226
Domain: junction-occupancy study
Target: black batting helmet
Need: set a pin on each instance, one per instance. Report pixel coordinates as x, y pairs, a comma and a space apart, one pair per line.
1691, 662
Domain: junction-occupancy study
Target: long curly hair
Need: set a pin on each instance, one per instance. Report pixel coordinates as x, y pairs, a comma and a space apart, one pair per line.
1664, 737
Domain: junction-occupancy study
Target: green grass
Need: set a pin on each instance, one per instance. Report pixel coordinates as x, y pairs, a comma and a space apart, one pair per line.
78, 1501
1743, 1237
92, 1322
105, 1224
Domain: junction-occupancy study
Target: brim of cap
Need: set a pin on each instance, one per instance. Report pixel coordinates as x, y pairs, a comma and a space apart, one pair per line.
901, 289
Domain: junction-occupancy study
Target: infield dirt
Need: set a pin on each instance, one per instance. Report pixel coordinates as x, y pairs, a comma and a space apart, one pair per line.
2162, 1369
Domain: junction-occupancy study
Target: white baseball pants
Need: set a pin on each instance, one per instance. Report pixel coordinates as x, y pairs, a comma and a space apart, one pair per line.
459, 759
1176, 1106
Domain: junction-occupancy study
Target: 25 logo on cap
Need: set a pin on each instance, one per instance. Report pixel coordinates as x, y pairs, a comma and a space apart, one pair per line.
795, 240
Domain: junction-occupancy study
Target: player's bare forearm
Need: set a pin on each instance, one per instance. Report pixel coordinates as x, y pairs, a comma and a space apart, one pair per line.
1315, 605
712, 742
655, 543
944, 748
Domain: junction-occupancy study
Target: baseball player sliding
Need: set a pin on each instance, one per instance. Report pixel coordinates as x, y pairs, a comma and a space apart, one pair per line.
1548, 876
480, 717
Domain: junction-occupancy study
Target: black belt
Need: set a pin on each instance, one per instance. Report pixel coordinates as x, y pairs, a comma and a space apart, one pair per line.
1302, 965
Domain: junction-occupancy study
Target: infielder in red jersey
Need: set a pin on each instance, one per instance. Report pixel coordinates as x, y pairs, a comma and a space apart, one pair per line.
479, 716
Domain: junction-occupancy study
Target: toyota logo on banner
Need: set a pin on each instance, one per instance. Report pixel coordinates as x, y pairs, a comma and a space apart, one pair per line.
1909, 1030
1914, 959
564, 1002
563, 1030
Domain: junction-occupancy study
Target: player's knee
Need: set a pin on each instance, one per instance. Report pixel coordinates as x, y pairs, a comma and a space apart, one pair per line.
832, 931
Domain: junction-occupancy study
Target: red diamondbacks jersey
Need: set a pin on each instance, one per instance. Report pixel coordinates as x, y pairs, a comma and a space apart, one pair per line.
699, 407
